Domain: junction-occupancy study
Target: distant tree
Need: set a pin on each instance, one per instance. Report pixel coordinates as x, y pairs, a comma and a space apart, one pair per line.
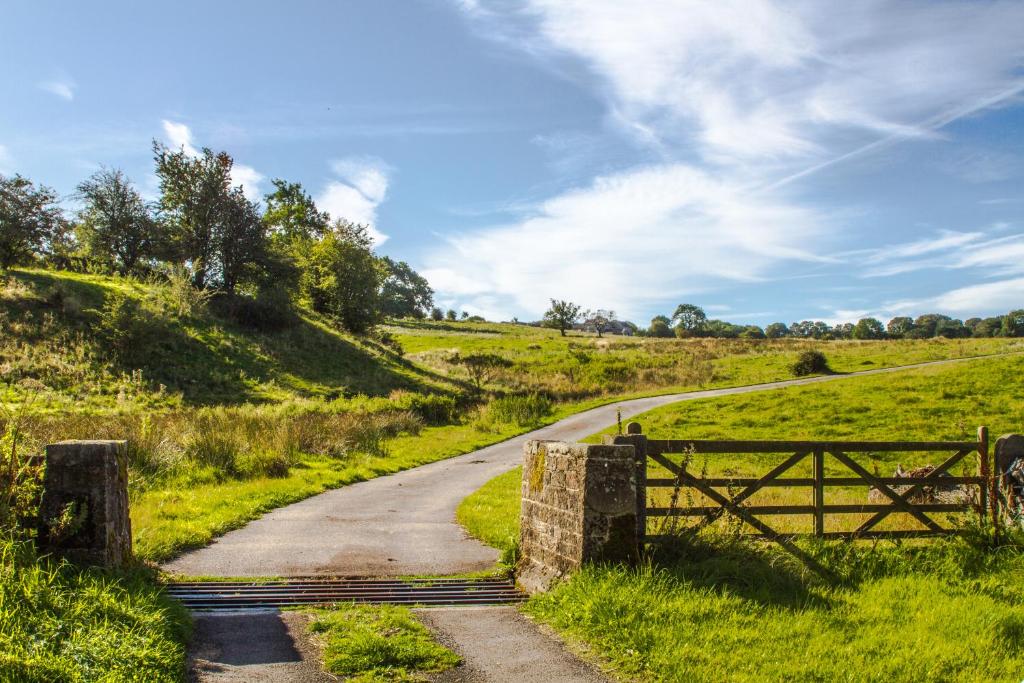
925, 326
342, 278
562, 315
843, 331
450, 315
690, 319
436, 314
752, 332
987, 327
405, 293
803, 329
776, 331
820, 330
30, 220
718, 329
481, 366
116, 227
868, 328
1012, 324
951, 328
900, 327
599, 320
464, 315
659, 327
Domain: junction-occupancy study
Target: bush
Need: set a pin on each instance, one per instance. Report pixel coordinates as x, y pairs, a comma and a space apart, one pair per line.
124, 329
435, 409
523, 410
810, 363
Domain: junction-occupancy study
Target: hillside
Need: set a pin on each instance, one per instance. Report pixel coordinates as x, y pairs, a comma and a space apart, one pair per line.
104, 342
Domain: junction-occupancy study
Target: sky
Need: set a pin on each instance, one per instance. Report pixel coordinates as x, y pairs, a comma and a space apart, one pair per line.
769, 161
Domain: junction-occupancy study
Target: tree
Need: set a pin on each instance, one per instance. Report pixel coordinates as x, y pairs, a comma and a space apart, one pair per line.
116, 227
599, 320
562, 315
868, 328
481, 366
752, 332
689, 318
292, 216
900, 327
987, 327
240, 243
926, 326
843, 331
436, 314
464, 315
342, 277
776, 331
30, 220
450, 315
1012, 324
194, 193
660, 327
405, 293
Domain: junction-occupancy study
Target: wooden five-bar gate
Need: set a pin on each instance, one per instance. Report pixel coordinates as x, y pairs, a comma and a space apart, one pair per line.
730, 495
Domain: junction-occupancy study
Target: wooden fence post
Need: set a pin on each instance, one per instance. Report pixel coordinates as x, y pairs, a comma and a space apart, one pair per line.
989, 491
819, 492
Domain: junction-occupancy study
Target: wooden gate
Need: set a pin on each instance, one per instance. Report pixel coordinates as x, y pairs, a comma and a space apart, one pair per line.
724, 494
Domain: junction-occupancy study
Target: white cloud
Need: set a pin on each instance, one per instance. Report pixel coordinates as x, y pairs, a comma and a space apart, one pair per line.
355, 196
6, 161
624, 241
998, 256
62, 88
764, 93
179, 136
988, 298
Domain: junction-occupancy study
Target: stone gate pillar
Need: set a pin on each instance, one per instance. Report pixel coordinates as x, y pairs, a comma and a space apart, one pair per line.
578, 506
84, 510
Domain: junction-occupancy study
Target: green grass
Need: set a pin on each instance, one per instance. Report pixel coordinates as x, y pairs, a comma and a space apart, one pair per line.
491, 513
59, 623
379, 643
729, 610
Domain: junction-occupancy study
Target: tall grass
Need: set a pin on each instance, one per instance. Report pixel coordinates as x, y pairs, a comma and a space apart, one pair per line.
59, 623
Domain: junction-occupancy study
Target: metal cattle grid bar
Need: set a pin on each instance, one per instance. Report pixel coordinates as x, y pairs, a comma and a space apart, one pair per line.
233, 595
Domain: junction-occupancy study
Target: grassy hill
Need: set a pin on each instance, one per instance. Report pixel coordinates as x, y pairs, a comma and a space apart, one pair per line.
104, 343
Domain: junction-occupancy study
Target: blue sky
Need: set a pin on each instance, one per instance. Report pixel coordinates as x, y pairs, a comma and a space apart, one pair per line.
767, 160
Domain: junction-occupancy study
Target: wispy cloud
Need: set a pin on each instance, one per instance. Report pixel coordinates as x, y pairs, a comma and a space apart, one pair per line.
360, 187
63, 88
994, 256
754, 95
597, 245
179, 136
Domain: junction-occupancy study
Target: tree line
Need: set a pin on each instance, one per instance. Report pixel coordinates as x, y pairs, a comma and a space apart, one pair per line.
282, 251
690, 320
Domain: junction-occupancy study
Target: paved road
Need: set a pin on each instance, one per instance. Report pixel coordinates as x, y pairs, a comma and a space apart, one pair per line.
405, 523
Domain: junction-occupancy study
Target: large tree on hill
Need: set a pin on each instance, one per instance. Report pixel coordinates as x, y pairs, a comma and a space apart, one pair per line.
776, 331
900, 327
562, 315
404, 293
342, 278
30, 220
599, 319
292, 216
690, 319
116, 226
204, 215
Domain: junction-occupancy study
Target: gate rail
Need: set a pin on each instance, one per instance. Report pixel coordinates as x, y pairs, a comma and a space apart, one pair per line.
733, 502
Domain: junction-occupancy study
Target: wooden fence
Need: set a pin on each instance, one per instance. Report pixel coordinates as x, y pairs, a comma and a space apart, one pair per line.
730, 495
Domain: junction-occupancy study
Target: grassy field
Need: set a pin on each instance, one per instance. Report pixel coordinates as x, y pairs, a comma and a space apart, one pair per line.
582, 365
728, 610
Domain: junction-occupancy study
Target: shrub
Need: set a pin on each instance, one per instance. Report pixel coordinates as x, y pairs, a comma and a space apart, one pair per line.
124, 329
523, 410
810, 363
435, 409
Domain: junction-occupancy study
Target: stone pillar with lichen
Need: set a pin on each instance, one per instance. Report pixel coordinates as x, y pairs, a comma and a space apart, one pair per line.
578, 506
84, 509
